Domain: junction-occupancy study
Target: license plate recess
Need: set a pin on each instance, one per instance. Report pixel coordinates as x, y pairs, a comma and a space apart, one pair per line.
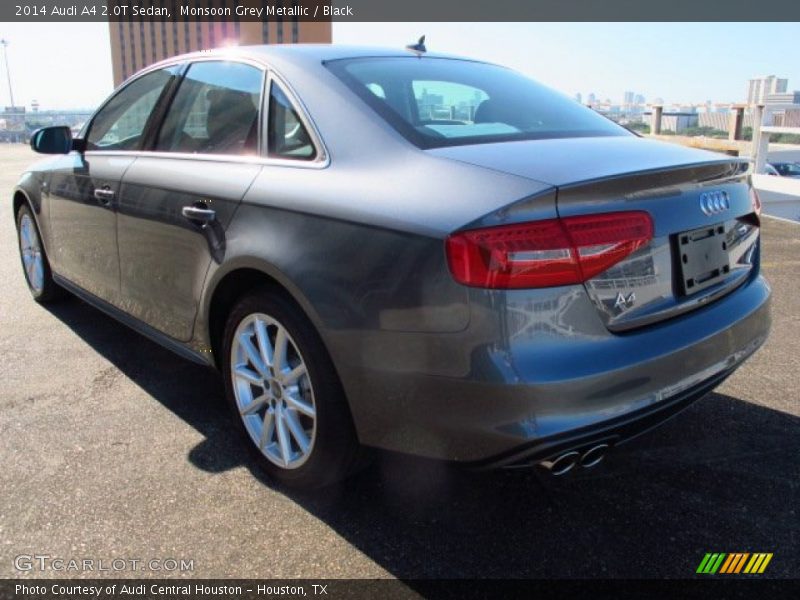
703, 258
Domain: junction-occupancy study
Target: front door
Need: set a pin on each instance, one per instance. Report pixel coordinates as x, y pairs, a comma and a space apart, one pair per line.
84, 190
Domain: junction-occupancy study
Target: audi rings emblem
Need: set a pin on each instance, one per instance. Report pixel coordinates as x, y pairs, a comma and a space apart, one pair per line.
713, 203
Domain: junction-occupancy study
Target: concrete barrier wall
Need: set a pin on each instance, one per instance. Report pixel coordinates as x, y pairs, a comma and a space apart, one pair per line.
784, 153
779, 195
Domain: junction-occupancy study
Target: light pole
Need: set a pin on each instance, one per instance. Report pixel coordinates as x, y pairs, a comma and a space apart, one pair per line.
8, 73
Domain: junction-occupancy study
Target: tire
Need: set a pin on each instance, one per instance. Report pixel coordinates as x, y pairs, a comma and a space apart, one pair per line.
35, 265
275, 405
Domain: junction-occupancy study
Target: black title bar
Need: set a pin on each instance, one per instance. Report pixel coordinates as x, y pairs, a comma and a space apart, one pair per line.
400, 10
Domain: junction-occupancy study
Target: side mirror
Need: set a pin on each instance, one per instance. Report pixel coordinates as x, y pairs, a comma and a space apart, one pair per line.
52, 140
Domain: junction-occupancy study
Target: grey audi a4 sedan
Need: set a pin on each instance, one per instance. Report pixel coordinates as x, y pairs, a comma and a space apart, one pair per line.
397, 250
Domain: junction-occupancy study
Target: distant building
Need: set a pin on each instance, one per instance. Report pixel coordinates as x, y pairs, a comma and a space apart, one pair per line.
759, 88
12, 124
14, 117
591, 99
787, 115
639, 100
789, 118
429, 105
676, 121
579, 98
721, 120
681, 108
710, 107
785, 98
137, 44
628, 98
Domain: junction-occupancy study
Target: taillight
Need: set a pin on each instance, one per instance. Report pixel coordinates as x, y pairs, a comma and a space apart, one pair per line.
546, 253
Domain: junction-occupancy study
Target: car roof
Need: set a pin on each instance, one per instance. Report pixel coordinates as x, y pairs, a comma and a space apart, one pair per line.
304, 54
336, 51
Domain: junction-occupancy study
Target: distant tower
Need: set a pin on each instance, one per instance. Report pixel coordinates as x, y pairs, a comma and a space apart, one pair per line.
578, 98
628, 98
759, 88
592, 99
4, 43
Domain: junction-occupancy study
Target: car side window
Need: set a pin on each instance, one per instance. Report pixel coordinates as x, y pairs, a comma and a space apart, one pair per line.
288, 137
119, 125
215, 111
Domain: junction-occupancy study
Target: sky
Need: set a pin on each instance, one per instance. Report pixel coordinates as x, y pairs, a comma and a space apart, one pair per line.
69, 65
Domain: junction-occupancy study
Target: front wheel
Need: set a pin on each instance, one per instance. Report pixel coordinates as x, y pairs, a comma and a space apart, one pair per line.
284, 391
34, 259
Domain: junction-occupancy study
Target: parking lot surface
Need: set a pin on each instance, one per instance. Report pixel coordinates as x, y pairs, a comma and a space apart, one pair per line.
112, 447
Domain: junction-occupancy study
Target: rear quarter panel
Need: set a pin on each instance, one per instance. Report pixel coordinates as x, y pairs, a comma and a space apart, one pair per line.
360, 245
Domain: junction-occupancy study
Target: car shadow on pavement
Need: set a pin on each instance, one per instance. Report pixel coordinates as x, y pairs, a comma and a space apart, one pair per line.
721, 477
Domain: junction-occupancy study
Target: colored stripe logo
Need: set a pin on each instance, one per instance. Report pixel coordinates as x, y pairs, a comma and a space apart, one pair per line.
734, 563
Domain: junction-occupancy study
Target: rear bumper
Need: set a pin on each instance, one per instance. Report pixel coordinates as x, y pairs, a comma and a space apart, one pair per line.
510, 390
612, 431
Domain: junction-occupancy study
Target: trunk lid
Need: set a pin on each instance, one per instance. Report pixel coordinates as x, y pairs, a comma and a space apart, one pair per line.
569, 161
705, 230
704, 243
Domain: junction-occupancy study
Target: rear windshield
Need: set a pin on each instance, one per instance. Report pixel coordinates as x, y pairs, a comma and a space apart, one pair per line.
436, 102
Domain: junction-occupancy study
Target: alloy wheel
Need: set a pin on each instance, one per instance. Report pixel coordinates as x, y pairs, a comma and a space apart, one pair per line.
31, 250
273, 391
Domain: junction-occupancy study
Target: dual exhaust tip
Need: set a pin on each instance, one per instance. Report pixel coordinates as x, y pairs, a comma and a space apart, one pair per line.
564, 463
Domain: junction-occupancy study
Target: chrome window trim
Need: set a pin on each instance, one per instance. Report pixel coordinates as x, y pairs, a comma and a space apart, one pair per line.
322, 158
321, 161
193, 58
87, 127
230, 158
214, 58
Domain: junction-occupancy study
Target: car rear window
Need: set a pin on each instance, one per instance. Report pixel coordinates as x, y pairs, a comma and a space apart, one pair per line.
436, 102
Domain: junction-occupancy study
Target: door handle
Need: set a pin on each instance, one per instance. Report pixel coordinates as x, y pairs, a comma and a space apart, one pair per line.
104, 194
197, 214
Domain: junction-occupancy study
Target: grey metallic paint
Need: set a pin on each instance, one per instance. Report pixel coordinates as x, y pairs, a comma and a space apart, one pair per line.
83, 232
159, 247
429, 367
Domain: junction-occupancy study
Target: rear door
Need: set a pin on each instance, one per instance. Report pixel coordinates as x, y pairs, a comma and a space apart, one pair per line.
84, 190
177, 199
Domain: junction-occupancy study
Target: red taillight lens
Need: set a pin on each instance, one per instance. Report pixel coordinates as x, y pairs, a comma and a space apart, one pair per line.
546, 253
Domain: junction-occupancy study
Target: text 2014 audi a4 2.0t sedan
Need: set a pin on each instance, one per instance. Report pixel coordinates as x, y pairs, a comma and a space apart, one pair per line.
412, 252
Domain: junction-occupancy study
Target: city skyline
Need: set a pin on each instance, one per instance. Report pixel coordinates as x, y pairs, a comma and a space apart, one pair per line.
607, 59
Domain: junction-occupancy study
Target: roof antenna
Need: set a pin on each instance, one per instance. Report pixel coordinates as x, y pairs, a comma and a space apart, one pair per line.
419, 48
